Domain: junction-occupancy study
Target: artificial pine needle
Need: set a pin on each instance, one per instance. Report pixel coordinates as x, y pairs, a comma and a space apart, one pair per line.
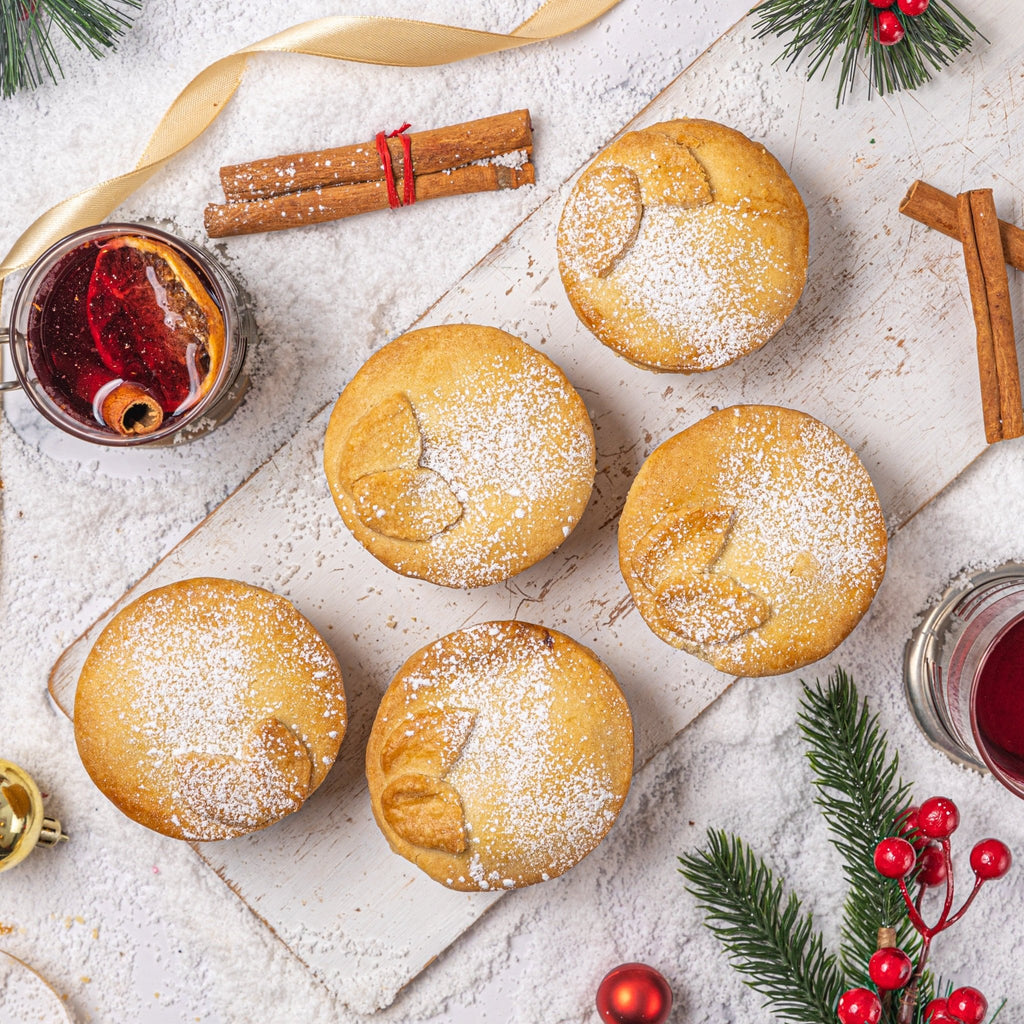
768, 939
27, 53
860, 797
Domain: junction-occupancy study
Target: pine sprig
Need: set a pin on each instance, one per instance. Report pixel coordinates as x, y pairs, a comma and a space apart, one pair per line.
27, 53
843, 30
764, 933
767, 937
860, 797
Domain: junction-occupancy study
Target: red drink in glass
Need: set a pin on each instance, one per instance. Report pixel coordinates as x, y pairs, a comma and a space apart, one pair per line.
964, 674
122, 334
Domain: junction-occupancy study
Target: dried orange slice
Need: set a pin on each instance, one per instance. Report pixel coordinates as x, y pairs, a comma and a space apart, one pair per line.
154, 322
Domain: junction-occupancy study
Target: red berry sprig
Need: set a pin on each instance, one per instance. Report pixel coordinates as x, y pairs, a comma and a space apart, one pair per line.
889, 30
894, 858
990, 859
911, 7
890, 968
963, 1006
931, 866
859, 1006
937, 1007
967, 1004
922, 850
938, 818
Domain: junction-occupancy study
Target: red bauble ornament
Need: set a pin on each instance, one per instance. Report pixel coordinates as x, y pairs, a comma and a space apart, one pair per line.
634, 994
890, 968
938, 817
967, 1004
913, 7
888, 30
990, 859
859, 1006
931, 866
894, 858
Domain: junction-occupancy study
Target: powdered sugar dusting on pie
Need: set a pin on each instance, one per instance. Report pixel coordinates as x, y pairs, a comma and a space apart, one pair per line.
539, 782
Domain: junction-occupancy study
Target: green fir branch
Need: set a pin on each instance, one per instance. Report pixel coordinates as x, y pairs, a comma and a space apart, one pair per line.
27, 52
825, 30
860, 797
767, 938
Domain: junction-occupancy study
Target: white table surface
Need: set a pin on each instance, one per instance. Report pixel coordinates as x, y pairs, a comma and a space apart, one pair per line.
128, 925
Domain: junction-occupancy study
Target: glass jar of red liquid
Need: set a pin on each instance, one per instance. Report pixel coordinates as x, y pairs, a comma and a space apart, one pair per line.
964, 673
124, 335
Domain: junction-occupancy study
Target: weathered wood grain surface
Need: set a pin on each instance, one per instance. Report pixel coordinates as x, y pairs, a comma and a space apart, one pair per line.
880, 348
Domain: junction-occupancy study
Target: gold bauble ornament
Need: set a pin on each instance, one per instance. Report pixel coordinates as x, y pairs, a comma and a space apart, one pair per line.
23, 825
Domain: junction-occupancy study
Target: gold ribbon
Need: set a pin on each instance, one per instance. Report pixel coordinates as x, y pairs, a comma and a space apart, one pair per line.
394, 41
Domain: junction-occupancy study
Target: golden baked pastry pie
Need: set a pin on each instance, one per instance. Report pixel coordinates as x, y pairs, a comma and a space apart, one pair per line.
500, 756
208, 709
683, 246
753, 539
459, 455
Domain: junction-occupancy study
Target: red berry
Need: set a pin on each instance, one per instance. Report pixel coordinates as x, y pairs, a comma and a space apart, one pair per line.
967, 1004
906, 823
913, 7
931, 865
888, 30
894, 858
859, 1006
881, 3
937, 818
934, 1007
942, 1017
890, 968
990, 859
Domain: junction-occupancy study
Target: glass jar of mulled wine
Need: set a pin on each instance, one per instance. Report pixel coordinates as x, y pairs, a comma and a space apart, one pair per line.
124, 335
963, 673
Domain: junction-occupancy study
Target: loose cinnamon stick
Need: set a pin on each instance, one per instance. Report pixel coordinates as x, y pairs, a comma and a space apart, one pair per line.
993, 317
337, 201
435, 150
937, 209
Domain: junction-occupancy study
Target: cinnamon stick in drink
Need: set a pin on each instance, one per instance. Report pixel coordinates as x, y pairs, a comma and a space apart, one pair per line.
337, 201
130, 409
435, 150
937, 209
993, 317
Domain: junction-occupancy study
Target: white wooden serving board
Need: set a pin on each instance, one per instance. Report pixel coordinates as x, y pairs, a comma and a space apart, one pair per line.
881, 348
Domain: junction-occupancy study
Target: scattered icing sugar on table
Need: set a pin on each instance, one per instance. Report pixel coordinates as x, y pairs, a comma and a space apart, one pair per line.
131, 926
25, 996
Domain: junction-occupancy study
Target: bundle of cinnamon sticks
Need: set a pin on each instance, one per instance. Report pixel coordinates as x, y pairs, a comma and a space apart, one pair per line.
989, 244
310, 188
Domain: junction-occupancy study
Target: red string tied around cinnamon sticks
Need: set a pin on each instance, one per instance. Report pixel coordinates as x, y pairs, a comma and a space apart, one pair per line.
310, 188
408, 181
